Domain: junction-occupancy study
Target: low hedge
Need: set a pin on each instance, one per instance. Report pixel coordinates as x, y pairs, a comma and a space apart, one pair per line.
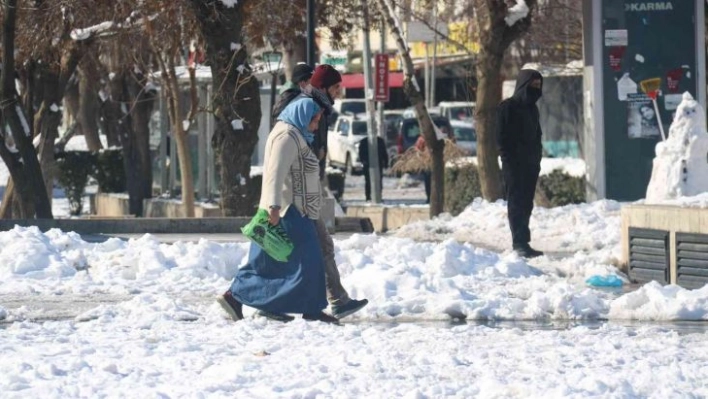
562, 189
76, 167
110, 171
462, 186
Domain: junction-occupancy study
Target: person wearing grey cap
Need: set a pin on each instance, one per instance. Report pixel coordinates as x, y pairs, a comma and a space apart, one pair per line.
299, 84
302, 73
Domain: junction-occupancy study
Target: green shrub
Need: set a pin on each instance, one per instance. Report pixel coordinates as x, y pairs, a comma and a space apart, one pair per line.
74, 169
335, 182
110, 171
562, 189
461, 187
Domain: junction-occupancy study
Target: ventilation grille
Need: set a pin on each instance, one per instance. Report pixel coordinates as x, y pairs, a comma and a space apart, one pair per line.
649, 255
691, 260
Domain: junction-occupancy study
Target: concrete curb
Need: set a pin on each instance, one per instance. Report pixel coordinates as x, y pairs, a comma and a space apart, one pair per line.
220, 225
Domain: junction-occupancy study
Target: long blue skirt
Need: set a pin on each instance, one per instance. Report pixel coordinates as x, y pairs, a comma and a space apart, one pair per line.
295, 286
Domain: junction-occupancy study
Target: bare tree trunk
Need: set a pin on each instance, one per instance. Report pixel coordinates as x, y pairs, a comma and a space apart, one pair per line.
142, 110
489, 83
236, 102
119, 112
87, 110
47, 122
179, 131
494, 42
24, 169
54, 83
412, 90
8, 198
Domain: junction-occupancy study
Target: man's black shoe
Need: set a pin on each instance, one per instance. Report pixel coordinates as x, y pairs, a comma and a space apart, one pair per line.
233, 307
349, 308
526, 251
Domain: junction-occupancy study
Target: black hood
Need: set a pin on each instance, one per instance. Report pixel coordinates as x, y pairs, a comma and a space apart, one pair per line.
523, 91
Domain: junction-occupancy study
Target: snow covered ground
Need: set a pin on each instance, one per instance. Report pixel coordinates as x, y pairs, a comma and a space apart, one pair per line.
160, 334
148, 325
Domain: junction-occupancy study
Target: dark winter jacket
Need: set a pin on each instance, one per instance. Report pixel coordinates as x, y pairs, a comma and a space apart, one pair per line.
364, 152
284, 99
518, 126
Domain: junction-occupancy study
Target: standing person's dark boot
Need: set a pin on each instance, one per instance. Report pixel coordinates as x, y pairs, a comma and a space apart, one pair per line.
525, 251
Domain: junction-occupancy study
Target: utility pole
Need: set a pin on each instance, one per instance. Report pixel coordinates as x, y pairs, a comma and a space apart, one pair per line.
435, 54
427, 74
311, 33
374, 172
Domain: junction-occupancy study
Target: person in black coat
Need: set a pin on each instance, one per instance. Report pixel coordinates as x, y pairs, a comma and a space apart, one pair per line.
520, 148
328, 81
364, 158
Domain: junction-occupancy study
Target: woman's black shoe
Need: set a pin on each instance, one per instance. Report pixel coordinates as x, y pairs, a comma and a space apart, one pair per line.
322, 316
233, 307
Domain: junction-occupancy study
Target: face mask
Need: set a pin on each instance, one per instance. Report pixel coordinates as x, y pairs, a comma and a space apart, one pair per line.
533, 94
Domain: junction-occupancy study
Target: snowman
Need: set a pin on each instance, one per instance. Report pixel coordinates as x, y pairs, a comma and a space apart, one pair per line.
680, 167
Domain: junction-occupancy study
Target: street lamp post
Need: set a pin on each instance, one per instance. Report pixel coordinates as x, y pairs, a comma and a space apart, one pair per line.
272, 61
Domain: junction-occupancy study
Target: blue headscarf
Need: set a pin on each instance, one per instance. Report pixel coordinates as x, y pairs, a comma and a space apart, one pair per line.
299, 113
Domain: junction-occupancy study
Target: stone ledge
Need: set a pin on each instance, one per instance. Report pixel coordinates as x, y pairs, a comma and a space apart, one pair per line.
219, 225
384, 218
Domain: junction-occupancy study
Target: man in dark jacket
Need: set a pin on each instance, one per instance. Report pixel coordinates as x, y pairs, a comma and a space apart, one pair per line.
328, 81
323, 85
364, 159
519, 141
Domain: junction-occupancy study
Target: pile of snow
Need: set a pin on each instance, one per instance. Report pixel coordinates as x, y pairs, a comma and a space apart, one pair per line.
156, 324
448, 267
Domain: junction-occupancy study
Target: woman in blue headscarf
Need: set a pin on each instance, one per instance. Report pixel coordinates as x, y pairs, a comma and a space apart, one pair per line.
291, 193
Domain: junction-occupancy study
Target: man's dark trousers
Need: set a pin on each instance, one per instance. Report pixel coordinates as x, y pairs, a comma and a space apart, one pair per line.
520, 183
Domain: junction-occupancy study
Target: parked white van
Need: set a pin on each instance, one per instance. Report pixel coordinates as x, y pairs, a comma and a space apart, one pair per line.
458, 110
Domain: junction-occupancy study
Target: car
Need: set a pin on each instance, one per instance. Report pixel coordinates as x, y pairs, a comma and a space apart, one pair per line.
343, 143
411, 113
465, 136
347, 106
458, 110
409, 130
350, 106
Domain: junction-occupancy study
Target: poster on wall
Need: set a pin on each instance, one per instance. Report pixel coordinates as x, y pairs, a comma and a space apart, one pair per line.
642, 122
640, 45
643, 49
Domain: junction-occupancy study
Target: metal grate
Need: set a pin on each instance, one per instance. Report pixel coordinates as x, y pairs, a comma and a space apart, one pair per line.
649, 255
691, 260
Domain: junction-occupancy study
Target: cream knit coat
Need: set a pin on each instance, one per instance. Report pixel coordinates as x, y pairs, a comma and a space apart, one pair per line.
290, 173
